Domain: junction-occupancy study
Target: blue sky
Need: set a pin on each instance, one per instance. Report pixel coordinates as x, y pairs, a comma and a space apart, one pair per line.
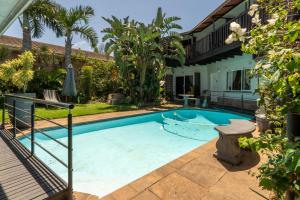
190, 11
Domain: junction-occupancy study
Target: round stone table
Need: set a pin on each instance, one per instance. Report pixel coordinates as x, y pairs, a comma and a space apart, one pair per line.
228, 148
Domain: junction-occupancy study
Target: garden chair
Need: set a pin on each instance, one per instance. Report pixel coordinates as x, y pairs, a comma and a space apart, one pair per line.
51, 95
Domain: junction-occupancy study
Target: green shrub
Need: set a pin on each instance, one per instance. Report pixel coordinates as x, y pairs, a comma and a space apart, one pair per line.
19, 71
86, 82
4, 53
98, 79
43, 79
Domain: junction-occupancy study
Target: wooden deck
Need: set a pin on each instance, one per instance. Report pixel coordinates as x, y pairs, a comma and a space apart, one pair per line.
23, 176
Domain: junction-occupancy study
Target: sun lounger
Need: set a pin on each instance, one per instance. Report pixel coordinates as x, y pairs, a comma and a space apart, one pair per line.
51, 95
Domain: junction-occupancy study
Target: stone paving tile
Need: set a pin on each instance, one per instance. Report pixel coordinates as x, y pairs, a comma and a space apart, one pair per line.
188, 157
236, 186
206, 155
108, 197
146, 195
177, 164
124, 193
146, 181
202, 172
85, 196
165, 170
177, 187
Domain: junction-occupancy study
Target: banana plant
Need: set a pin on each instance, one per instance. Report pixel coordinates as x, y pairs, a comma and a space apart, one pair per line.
140, 49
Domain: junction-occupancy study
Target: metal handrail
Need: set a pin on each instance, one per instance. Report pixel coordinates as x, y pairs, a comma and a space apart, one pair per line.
43, 102
24, 111
50, 137
40, 117
53, 122
32, 114
51, 154
221, 94
231, 97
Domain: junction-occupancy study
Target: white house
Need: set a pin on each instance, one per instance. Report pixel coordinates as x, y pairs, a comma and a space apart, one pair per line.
212, 65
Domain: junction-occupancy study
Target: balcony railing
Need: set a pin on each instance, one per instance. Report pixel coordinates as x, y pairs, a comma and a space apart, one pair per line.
214, 43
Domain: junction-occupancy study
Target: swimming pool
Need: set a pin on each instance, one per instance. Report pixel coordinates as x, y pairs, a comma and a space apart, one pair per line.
110, 154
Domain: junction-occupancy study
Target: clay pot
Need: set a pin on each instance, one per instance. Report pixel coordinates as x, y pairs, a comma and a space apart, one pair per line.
262, 122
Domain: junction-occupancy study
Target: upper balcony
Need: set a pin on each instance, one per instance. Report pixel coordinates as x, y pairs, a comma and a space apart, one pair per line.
212, 47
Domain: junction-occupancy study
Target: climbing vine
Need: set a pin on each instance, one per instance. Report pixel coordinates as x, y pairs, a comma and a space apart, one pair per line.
274, 39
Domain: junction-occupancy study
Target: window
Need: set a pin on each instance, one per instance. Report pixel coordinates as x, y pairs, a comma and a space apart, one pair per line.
246, 80
238, 80
188, 85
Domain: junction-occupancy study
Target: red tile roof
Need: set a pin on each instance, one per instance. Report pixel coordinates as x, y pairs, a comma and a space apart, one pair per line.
16, 43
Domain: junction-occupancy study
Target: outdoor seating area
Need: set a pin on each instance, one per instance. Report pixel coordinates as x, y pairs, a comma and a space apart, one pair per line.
190, 101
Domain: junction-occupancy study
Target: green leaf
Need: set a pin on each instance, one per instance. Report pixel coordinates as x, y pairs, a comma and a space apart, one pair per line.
275, 76
266, 183
293, 36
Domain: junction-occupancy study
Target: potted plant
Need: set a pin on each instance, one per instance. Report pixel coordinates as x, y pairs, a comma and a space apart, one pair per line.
261, 119
18, 72
205, 98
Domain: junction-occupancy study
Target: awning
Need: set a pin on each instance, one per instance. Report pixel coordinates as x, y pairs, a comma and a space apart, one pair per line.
9, 11
217, 13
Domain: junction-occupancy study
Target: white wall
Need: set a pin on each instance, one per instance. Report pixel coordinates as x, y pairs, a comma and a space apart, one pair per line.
189, 71
216, 73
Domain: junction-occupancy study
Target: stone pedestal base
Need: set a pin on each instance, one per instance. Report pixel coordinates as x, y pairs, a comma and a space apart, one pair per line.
228, 148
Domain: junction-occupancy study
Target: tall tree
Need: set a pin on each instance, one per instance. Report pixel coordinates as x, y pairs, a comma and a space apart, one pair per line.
76, 21
141, 50
40, 14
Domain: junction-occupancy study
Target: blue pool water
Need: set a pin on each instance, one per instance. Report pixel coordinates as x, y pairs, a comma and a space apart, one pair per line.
108, 155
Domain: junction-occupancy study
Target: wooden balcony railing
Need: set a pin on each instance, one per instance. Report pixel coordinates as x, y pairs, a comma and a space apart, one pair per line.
214, 43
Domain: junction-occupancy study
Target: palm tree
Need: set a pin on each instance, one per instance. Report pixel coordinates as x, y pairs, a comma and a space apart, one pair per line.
76, 21
40, 14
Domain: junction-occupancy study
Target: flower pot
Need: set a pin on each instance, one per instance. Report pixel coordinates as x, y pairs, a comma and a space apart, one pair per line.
205, 103
21, 104
262, 122
293, 128
290, 195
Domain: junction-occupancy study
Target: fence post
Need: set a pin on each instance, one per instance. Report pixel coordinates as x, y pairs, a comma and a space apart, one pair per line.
242, 102
70, 158
14, 119
3, 114
32, 128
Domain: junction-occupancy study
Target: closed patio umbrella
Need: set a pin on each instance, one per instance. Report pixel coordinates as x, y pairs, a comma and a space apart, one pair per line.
69, 84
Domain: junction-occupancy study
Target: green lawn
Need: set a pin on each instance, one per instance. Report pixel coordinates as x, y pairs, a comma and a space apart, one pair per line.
80, 110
